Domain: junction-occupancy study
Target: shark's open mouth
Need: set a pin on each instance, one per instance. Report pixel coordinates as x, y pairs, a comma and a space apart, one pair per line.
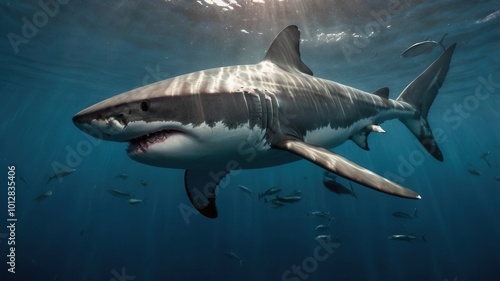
142, 143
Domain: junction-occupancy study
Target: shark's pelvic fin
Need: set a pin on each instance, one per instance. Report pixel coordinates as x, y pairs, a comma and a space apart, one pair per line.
361, 139
344, 168
285, 53
200, 188
420, 93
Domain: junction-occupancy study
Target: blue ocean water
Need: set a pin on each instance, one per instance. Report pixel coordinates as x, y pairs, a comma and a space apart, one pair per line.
59, 57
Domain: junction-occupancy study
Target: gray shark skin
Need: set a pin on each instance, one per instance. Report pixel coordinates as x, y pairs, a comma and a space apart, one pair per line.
253, 116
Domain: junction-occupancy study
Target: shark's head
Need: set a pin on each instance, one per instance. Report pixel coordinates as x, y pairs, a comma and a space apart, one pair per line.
164, 124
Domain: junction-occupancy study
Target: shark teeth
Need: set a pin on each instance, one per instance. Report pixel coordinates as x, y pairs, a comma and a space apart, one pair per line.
142, 143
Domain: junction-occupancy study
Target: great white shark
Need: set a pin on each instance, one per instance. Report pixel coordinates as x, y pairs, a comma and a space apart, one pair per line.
253, 116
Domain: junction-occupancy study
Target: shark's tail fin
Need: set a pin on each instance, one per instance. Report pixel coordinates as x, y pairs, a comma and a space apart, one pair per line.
420, 94
415, 214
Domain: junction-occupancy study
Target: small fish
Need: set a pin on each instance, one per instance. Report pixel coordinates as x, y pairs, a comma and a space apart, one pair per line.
61, 174
246, 190
323, 215
422, 48
473, 171
269, 192
144, 183
483, 156
328, 239
489, 17
276, 205
321, 227
295, 193
118, 193
288, 199
407, 238
44, 196
403, 215
135, 201
320, 214
235, 257
122, 176
329, 181
23, 179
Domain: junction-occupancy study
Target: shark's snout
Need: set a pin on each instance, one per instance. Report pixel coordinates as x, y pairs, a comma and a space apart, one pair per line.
100, 126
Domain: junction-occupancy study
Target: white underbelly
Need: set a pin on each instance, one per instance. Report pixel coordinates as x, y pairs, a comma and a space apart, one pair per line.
328, 137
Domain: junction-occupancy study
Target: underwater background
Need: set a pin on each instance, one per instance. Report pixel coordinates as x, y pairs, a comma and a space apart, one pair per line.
59, 57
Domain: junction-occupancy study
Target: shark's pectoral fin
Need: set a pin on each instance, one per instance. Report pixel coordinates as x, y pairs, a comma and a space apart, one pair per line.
344, 168
200, 188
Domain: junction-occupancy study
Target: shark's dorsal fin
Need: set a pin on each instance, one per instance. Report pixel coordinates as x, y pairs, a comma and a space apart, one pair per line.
285, 53
382, 92
200, 188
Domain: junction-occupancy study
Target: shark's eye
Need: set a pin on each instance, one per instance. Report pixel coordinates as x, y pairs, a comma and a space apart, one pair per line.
145, 105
